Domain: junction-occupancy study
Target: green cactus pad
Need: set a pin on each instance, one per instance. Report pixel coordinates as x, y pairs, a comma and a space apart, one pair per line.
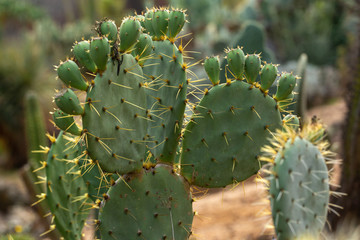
299, 188
129, 32
153, 204
66, 190
252, 67
212, 68
100, 52
236, 62
82, 54
223, 140
268, 75
68, 102
69, 73
166, 91
160, 23
115, 117
286, 84
176, 23
108, 29
66, 122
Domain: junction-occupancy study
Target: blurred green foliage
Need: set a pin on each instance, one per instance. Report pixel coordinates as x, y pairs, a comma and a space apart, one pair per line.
314, 27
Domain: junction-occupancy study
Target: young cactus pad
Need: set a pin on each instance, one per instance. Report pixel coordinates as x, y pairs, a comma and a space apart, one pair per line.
66, 190
299, 182
153, 204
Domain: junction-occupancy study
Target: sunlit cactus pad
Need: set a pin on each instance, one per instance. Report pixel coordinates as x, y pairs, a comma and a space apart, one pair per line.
153, 204
223, 140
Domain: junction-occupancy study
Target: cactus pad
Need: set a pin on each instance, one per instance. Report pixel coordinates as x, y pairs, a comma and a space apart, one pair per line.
223, 139
66, 190
115, 117
153, 204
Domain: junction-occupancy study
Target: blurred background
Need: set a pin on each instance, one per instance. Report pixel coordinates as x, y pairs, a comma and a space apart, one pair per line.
317, 39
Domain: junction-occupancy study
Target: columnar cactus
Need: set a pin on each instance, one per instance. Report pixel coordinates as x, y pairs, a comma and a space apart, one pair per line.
133, 127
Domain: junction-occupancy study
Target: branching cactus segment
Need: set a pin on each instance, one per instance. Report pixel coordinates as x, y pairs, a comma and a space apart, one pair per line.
299, 181
66, 192
154, 204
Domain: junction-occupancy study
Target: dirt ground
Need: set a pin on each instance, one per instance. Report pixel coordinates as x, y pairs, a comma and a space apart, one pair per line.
238, 213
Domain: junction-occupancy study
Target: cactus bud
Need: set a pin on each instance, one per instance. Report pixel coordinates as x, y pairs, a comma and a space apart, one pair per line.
108, 28
160, 23
236, 62
286, 84
176, 23
129, 33
268, 75
148, 22
99, 52
144, 46
82, 54
66, 122
252, 67
69, 73
212, 68
68, 102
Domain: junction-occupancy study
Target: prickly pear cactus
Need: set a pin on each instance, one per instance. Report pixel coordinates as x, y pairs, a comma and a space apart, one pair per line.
124, 106
66, 192
299, 181
153, 204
